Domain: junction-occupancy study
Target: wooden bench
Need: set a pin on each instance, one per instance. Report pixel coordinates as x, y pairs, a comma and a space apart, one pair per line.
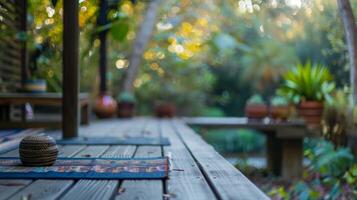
43, 99
284, 140
197, 170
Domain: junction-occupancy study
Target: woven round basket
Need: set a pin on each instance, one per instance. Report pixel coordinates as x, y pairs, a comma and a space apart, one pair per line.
38, 151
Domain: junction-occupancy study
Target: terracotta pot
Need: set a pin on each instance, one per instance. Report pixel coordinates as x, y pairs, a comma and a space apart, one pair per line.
165, 109
125, 109
256, 111
311, 112
279, 112
105, 106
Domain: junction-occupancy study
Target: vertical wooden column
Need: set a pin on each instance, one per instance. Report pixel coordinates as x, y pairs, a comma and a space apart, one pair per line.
102, 20
23, 27
70, 108
22, 6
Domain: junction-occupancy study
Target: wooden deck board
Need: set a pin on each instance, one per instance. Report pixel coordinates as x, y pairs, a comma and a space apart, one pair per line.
227, 182
43, 189
186, 180
69, 150
92, 151
92, 190
8, 187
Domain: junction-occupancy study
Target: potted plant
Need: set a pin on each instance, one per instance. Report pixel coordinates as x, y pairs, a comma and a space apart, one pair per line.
165, 105
308, 86
279, 108
256, 108
165, 109
126, 105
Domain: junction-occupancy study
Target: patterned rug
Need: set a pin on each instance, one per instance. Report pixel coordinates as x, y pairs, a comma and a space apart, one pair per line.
88, 168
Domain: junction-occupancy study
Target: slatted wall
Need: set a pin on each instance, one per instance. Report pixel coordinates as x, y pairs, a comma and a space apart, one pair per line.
12, 50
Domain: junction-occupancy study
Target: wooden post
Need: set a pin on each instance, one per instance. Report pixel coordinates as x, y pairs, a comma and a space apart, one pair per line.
70, 110
102, 20
24, 55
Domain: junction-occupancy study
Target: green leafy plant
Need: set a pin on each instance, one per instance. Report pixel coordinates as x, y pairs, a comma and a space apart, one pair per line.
328, 161
308, 83
279, 101
255, 99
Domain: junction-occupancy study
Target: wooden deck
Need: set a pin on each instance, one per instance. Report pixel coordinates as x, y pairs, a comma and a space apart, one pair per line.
197, 170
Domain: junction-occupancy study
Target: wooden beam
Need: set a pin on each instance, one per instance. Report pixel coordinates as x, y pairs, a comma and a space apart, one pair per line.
24, 55
70, 107
102, 20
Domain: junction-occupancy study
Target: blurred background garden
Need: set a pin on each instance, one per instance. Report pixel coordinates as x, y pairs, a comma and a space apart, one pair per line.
211, 57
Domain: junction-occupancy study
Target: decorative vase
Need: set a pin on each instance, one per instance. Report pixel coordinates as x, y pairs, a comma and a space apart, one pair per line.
125, 109
35, 86
38, 151
165, 109
256, 111
311, 112
105, 106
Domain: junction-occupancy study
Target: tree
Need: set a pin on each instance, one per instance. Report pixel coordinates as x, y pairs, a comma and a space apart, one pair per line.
351, 40
140, 43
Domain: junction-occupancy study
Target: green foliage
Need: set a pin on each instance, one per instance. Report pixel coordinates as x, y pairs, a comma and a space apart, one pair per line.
126, 97
255, 99
331, 175
328, 161
307, 83
119, 30
212, 112
279, 101
235, 141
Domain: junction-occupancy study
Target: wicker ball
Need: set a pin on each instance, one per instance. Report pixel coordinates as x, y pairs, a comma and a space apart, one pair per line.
38, 151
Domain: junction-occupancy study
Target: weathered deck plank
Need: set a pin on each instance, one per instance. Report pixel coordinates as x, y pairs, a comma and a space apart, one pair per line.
8, 187
92, 190
186, 180
11, 153
43, 189
123, 151
92, 151
69, 150
227, 182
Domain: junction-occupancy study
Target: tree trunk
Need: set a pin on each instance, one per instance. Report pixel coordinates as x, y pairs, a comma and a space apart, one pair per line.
351, 40
141, 40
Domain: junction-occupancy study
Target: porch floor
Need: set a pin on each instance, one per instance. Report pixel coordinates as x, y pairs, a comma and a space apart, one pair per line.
197, 170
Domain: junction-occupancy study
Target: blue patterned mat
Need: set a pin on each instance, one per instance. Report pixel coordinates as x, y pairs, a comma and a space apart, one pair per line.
88, 168
116, 141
